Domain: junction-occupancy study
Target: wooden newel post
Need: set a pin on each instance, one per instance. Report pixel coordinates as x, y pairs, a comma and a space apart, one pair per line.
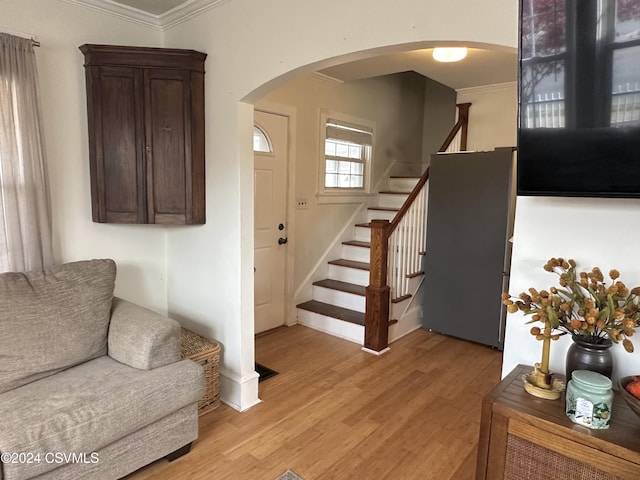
376, 322
463, 116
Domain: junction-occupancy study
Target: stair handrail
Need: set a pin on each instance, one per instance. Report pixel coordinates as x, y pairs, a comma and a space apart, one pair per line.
378, 290
460, 126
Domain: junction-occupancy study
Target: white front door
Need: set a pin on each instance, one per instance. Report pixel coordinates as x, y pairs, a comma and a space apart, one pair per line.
270, 223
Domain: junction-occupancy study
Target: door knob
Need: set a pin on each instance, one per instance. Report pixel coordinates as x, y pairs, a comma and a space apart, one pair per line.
282, 241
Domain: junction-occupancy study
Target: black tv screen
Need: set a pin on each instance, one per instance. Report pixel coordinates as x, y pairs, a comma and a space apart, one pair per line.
579, 98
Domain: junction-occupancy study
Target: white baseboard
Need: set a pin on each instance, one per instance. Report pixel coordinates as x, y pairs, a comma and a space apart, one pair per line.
373, 352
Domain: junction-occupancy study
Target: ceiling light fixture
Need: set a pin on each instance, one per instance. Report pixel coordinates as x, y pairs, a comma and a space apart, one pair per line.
449, 54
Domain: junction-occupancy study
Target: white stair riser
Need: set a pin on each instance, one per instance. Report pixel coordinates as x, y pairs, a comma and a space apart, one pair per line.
402, 184
359, 254
332, 326
392, 200
339, 298
363, 234
380, 215
351, 275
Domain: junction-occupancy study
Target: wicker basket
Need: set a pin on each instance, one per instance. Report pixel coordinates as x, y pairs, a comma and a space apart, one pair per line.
206, 352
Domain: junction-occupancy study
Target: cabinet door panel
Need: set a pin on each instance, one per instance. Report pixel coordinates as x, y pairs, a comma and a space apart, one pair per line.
168, 138
120, 149
145, 111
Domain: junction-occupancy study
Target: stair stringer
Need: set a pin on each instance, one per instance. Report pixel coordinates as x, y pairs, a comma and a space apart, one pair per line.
383, 181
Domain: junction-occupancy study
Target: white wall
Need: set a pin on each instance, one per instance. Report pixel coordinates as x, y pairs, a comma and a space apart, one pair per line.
253, 47
492, 116
439, 117
594, 232
139, 251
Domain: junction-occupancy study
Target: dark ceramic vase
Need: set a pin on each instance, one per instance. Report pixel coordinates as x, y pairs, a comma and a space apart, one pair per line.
583, 355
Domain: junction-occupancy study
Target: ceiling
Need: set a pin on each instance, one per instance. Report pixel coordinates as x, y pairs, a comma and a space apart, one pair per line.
480, 67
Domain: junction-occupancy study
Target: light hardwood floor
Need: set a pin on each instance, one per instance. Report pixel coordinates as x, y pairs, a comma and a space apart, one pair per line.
335, 412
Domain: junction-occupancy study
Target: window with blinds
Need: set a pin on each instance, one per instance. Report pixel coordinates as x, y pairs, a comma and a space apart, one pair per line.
347, 151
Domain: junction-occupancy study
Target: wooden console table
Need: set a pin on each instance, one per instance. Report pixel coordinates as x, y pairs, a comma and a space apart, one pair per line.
524, 437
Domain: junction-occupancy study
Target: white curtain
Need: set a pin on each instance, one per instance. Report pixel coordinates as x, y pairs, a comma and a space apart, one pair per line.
25, 212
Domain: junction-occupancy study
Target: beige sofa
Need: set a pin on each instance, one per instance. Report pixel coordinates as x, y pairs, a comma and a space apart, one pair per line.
91, 386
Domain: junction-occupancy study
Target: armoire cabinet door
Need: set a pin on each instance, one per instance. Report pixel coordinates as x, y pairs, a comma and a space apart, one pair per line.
146, 134
117, 174
167, 138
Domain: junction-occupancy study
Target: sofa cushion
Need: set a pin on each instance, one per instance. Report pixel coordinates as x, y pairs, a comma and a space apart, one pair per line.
90, 406
53, 319
141, 338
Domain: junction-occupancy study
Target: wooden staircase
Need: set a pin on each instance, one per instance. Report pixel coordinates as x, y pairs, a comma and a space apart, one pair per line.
338, 302
385, 259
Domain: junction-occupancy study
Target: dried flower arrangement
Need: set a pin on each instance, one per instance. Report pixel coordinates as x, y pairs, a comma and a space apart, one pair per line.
584, 305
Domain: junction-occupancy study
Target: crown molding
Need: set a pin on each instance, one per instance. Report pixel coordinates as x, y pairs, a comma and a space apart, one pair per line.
324, 79
123, 12
175, 16
487, 88
188, 10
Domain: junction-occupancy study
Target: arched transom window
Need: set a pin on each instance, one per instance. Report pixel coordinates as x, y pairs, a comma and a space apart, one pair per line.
261, 142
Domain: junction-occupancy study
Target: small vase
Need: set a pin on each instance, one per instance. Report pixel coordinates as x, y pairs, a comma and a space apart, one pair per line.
594, 357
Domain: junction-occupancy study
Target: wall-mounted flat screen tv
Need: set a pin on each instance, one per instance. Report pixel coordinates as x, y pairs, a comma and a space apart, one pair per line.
579, 98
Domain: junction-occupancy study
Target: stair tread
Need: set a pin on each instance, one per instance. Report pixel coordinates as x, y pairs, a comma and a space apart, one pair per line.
334, 311
365, 225
384, 209
401, 299
350, 263
394, 192
405, 176
342, 286
357, 243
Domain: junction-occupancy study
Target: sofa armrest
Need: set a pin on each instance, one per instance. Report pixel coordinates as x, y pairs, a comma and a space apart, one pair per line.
141, 338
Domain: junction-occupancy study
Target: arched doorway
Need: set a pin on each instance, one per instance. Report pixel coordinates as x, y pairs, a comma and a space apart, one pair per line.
302, 194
